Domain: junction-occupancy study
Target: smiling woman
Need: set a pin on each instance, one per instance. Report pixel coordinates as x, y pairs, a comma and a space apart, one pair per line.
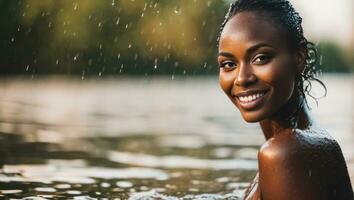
264, 63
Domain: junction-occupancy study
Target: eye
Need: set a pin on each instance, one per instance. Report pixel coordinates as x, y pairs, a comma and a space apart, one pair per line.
228, 65
261, 59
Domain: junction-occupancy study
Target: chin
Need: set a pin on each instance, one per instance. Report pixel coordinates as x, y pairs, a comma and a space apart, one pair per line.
252, 117
251, 120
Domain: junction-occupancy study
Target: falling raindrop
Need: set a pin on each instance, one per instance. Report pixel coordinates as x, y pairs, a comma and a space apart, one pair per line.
12, 39
176, 64
173, 77
208, 3
27, 68
76, 6
83, 75
177, 9
57, 62
99, 73
129, 46
113, 3
155, 63
118, 20
121, 68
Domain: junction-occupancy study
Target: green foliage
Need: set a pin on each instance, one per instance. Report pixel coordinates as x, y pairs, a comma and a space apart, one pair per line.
117, 37
333, 58
110, 37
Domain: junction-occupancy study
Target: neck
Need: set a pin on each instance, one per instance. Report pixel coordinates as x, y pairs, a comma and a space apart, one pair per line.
274, 126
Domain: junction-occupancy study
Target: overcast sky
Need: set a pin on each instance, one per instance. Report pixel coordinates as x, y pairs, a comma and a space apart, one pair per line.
327, 19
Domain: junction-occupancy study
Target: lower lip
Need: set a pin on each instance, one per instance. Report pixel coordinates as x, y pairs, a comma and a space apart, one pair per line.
252, 104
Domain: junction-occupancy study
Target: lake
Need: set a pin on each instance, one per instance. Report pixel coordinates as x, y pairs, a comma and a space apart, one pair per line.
139, 137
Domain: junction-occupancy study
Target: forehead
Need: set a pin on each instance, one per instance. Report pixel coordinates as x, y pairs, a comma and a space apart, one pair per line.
247, 28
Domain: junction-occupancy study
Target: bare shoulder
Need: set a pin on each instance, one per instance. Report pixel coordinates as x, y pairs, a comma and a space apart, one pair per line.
316, 143
310, 161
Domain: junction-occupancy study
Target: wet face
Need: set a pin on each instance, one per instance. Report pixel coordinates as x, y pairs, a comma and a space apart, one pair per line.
257, 67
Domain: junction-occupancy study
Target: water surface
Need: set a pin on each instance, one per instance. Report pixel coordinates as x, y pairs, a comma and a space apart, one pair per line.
138, 138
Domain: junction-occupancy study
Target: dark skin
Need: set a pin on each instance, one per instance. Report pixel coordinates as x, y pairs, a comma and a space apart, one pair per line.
258, 73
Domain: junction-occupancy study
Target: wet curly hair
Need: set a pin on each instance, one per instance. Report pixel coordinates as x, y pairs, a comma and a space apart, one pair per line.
282, 13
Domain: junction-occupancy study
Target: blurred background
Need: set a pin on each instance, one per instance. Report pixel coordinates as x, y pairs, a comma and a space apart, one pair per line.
144, 37
120, 98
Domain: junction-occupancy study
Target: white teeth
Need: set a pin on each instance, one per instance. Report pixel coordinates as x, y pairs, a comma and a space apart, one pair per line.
249, 98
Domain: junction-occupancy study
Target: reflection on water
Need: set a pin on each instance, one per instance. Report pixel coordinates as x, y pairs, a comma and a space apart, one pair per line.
137, 138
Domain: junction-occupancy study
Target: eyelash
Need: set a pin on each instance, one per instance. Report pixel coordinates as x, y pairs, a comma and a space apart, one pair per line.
223, 65
264, 60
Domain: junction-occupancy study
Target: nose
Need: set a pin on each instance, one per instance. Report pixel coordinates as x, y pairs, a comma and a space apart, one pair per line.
245, 76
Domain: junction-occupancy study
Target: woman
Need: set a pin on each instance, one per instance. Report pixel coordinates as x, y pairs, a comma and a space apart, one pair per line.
266, 66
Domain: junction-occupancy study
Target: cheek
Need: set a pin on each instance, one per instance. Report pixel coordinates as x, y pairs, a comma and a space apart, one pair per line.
226, 81
282, 79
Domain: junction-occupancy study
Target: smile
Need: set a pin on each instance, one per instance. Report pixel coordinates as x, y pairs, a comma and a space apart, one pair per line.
251, 99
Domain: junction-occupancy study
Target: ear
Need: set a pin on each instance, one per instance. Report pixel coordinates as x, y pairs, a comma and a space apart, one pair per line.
300, 59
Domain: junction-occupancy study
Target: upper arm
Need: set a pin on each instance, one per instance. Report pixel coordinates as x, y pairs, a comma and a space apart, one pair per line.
287, 173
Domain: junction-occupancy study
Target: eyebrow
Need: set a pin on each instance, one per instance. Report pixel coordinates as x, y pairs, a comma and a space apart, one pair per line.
248, 51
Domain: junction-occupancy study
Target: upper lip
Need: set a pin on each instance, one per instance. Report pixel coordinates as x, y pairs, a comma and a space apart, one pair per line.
249, 92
